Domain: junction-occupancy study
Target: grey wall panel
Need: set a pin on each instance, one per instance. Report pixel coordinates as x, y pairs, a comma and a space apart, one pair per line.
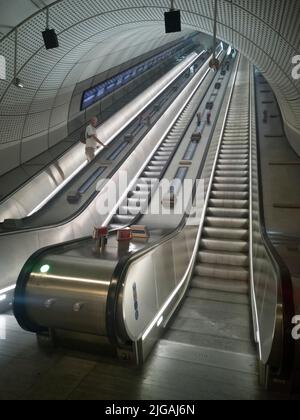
73, 75
75, 105
291, 13
92, 111
16, 101
294, 138
76, 122
33, 146
59, 115
11, 129
63, 96
9, 157
57, 133
82, 86
36, 123
42, 101
36, 70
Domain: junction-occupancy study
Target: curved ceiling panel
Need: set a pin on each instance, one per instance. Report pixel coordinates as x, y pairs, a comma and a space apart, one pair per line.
95, 35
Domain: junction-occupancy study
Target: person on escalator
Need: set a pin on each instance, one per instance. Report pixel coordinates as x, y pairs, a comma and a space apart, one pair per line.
92, 140
199, 118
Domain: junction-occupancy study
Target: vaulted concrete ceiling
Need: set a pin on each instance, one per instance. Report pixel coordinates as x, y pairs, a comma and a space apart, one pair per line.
95, 35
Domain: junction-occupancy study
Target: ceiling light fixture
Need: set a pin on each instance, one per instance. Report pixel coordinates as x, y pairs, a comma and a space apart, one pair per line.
49, 35
214, 63
17, 81
173, 20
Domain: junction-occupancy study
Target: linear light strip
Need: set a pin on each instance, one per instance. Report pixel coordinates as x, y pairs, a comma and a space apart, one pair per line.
67, 278
7, 289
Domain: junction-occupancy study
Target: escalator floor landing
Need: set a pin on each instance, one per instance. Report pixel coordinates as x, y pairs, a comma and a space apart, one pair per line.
27, 373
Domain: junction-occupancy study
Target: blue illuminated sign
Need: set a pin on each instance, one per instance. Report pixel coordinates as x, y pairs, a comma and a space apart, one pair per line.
105, 88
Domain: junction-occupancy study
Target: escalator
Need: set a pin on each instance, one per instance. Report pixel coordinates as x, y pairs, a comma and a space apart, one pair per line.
39, 191
18, 246
223, 251
215, 317
81, 189
53, 263
209, 290
139, 196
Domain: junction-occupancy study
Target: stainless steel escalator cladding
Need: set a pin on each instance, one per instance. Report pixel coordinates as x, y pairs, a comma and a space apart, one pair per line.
35, 193
17, 246
46, 270
225, 253
45, 282
54, 296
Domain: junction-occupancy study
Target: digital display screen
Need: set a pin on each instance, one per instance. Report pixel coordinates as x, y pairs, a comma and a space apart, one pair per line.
105, 88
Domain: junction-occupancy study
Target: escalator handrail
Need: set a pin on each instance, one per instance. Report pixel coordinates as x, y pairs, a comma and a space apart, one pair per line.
95, 193
285, 286
139, 215
8, 196
19, 306
123, 264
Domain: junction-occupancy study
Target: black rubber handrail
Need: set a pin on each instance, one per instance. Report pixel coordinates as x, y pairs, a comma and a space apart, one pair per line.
280, 267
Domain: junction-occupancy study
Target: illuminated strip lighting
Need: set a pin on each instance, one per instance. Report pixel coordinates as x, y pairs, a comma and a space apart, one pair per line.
7, 289
57, 189
160, 321
146, 65
70, 177
113, 212
3, 292
74, 279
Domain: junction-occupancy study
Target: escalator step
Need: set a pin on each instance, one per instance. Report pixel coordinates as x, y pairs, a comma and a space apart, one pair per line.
230, 187
224, 245
226, 222
218, 296
230, 213
225, 272
222, 233
223, 258
217, 284
239, 195
231, 204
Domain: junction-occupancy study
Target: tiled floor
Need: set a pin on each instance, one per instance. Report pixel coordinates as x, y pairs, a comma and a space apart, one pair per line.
29, 373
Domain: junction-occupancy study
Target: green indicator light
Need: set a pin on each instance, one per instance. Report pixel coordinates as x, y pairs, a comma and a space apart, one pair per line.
45, 268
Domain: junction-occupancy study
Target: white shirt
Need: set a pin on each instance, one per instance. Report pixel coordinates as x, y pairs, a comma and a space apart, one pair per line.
90, 141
